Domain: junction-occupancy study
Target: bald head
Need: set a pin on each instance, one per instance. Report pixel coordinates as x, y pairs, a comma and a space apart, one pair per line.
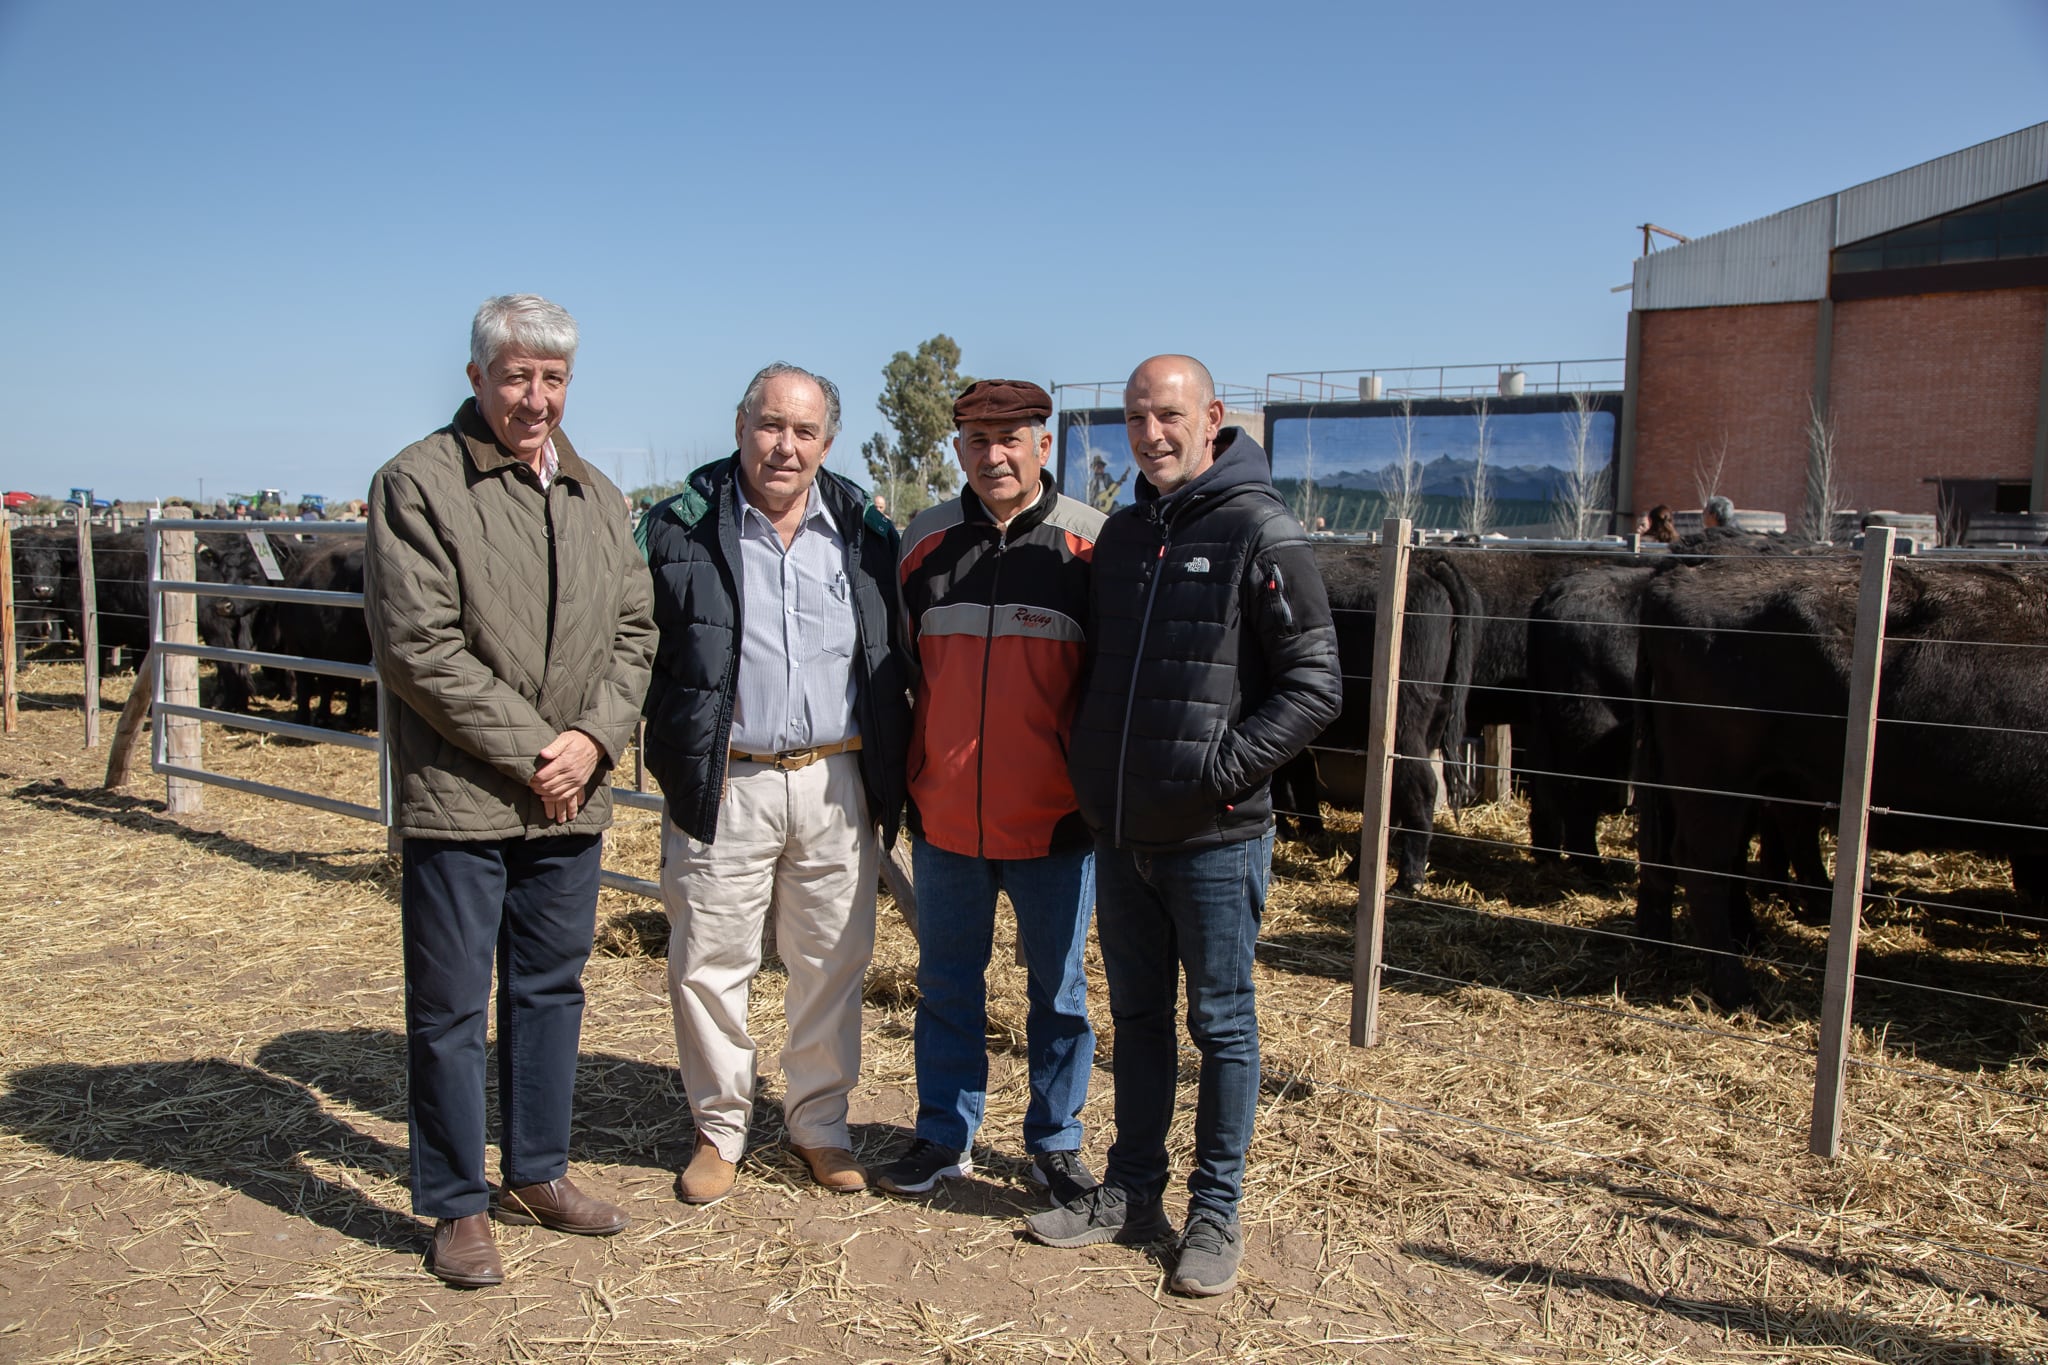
1172, 417
1191, 370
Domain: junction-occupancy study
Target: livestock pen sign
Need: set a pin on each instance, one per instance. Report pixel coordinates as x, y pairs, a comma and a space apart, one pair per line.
1343, 462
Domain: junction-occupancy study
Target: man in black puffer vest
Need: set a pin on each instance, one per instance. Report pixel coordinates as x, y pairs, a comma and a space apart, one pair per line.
1212, 661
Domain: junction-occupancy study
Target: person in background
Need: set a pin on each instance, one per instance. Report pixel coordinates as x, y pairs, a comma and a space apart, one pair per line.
995, 590
1657, 525
1717, 511
509, 611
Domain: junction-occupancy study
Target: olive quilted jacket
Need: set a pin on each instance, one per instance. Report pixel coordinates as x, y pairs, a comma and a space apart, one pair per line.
501, 616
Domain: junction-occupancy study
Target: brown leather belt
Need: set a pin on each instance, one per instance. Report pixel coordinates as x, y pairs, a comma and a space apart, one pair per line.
789, 760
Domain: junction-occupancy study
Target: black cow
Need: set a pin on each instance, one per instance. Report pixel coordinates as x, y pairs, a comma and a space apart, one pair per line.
1760, 648
1437, 644
1509, 582
339, 634
121, 582
1582, 701
45, 572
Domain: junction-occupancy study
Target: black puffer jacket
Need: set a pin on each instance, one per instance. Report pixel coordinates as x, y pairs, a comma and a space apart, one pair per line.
693, 547
1212, 659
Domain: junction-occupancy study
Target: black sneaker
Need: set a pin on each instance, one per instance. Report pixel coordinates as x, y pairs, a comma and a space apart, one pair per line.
1103, 1214
1209, 1252
921, 1168
1063, 1175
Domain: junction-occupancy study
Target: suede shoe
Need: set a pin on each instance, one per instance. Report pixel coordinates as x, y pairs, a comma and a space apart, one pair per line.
465, 1254
708, 1178
834, 1168
1210, 1250
921, 1168
1104, 1214
1064, 1175
559, 1207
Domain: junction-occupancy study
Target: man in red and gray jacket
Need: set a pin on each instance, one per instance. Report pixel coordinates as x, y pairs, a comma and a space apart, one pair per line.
995, 590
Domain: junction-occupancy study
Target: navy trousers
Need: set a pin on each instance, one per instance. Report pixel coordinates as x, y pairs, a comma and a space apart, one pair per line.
530, 905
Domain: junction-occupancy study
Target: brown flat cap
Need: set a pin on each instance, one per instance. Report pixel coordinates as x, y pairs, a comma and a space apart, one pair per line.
1002, 400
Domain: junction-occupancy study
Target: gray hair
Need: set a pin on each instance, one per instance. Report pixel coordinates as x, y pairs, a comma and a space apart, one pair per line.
527, 321
1722, 509
752, 396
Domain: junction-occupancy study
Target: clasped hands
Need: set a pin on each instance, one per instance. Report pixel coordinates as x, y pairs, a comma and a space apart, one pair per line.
563, 775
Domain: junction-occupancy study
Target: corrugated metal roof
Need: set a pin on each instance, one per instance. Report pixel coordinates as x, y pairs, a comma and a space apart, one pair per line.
1784, 258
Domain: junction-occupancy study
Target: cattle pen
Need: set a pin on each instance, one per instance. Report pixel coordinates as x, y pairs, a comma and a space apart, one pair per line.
1560, 1148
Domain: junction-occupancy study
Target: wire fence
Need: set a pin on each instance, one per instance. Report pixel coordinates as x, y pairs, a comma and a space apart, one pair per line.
1788, 749
1724, 721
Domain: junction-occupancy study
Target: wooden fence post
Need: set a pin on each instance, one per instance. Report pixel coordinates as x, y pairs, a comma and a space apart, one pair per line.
1852, 852
1496, 755
121, 754
89, 631
9, 684
178, 674
1379, 783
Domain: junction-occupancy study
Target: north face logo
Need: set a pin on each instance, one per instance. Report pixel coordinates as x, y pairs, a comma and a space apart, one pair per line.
1196, 565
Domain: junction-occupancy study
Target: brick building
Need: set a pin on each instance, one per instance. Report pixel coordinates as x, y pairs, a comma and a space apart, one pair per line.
1912, 311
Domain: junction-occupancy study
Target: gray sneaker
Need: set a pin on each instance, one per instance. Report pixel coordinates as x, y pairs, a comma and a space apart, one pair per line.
1065, 1176
1209, 1252
1104, 1214
919, 1170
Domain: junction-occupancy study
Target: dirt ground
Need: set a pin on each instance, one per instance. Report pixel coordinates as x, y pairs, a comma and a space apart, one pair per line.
1559, 1153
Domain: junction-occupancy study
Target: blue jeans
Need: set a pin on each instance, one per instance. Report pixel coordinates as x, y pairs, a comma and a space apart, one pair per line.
530, 905
1162, 914
956, 916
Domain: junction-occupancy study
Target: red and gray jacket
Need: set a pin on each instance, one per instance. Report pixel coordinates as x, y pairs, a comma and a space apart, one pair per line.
994, 619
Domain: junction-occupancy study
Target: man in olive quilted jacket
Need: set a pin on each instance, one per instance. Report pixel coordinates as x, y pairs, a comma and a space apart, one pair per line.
512, 621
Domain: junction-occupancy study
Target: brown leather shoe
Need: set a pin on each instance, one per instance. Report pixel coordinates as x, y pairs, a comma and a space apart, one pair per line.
708, 1178
559, 1207
834, 1168
465, 1254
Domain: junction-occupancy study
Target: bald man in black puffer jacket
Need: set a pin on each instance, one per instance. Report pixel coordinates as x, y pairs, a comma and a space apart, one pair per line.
1212, 661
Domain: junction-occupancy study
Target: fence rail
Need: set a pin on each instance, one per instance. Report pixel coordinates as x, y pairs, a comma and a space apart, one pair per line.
175, 750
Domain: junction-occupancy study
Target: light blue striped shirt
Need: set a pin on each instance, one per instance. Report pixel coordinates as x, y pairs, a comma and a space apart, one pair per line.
795, 686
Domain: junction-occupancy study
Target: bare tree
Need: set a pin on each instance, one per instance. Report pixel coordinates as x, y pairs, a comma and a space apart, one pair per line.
1308, 502
1401, 481
1581, 502
1949, 519
1825, 495
1479, 489
1708, 464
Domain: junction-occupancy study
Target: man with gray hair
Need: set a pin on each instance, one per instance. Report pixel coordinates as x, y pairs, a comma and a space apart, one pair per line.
510, 618
776, 726
1718, 511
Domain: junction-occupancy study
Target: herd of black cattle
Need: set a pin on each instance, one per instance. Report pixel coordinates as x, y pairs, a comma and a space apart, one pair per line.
1707, 686
46, 591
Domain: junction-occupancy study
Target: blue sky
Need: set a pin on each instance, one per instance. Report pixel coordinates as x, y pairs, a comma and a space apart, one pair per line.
243, 241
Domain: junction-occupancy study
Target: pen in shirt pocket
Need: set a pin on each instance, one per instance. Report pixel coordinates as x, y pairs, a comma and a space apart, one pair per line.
839, 585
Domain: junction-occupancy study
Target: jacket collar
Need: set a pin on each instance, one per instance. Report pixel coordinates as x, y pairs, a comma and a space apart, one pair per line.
1239, 461
972, 509
487, 454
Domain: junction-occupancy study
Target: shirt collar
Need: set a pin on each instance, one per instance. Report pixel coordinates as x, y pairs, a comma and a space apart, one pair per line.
814, 507
550, 464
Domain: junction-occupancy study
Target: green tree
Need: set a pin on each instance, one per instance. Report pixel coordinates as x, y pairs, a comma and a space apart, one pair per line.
917, 469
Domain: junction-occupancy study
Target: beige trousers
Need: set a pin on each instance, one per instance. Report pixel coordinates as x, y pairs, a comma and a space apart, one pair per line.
799, 843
